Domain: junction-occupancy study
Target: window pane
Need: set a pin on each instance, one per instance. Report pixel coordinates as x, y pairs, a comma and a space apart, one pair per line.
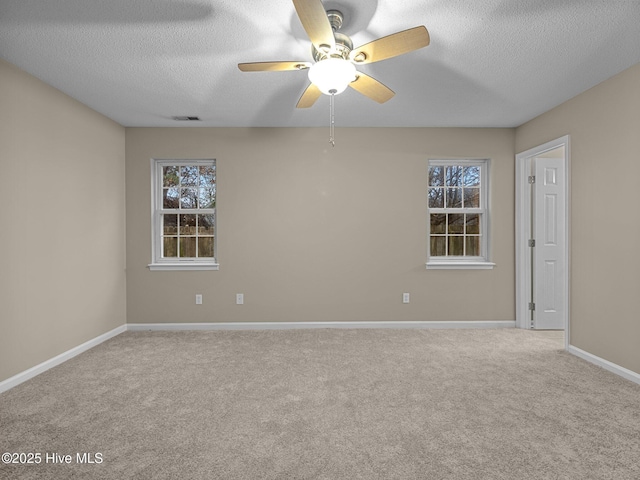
436, 198
170, 176
189, 176
170, 224
452, 232
187, 224
207, 175
438, 246
456, 246
454, 176
473, 224
170, 197
438, 223
188, 198
184, 190
205, 247
169, 247
187, 247
206, 224
436, 176
454, 198
471, 198
207, 197
472, 176
456, 223
473, 246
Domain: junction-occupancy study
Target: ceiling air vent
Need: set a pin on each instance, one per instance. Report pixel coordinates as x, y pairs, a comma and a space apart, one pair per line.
181, 118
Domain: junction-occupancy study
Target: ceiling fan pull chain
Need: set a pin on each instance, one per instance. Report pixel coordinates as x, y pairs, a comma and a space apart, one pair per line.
332, 119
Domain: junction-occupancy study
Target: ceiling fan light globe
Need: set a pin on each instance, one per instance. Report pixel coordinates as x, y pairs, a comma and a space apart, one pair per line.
332, 75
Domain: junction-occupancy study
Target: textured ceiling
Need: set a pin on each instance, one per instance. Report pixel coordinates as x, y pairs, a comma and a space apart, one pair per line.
491, 63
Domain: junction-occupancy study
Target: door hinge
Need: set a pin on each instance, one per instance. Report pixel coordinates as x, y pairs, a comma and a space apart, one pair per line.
532, 306
532, 243
532, 179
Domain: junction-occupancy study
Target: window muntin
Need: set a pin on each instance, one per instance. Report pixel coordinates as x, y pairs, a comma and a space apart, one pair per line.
457, 205
184, 217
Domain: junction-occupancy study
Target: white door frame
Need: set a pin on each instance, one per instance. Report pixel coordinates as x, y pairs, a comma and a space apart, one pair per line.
523, 223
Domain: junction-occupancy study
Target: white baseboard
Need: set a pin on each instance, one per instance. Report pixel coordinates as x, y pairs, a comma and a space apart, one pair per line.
63, 357
58, 359
606, 364
301, 325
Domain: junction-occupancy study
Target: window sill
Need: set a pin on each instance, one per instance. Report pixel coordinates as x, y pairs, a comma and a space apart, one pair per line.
459, 265
184, 266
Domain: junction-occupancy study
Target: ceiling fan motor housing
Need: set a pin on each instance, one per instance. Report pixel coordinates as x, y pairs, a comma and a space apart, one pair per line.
344, 45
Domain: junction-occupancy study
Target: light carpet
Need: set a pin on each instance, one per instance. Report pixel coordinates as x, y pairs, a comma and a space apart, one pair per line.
326, 404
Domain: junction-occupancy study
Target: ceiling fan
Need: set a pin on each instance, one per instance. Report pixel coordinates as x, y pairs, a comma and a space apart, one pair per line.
336, 59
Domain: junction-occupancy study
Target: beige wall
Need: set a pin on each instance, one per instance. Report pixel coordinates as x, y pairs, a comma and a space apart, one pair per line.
313, 233
62, 257
604, 128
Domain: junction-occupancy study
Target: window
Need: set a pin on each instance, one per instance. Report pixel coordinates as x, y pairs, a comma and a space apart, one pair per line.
458, 215
184, 215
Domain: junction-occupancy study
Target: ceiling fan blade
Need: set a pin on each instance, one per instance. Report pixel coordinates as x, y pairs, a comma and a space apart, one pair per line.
309, 97
315, 22
372, 88
391, 45
273, 66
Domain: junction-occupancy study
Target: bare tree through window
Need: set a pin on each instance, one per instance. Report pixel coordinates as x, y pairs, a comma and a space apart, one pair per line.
186, 213
456, 208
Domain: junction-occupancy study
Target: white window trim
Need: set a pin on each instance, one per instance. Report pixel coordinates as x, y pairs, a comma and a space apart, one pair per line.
465, 263
183, 266
157, 263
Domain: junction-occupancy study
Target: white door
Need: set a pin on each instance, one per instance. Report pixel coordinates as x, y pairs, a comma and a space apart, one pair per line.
548, 248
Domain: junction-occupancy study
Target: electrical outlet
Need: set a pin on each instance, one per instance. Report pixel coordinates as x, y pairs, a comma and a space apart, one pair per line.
239, 298
405, 298
198, 299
